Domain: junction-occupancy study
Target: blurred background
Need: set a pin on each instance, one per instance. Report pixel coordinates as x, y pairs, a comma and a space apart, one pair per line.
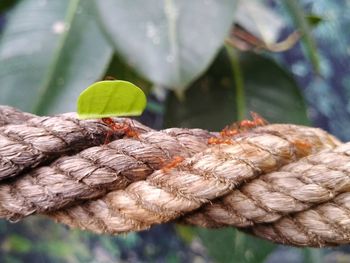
202, 63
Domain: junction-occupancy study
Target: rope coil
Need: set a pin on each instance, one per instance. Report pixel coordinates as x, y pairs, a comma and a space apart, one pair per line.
286, 183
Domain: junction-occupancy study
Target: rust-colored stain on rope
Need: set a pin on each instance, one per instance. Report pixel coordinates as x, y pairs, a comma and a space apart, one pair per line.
286, 183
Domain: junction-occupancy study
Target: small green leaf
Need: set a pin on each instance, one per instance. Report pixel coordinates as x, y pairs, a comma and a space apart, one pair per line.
111, 98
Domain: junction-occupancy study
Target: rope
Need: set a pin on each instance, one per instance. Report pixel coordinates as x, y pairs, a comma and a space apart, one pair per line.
95, 171
9, 115
285, 183
28, 142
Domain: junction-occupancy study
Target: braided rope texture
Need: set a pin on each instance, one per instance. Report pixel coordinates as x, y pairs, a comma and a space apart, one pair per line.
286, 183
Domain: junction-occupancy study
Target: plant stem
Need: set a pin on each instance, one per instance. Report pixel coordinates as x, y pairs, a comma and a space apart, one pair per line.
44, 91
299, 17
239, 83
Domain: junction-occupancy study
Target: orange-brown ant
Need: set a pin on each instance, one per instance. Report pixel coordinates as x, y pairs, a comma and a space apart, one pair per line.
303, 147
123, 128
173, 163
236, 128
230, 131
257, 121
218, 140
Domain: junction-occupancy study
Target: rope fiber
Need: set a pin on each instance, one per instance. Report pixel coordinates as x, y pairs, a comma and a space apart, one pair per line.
286, 183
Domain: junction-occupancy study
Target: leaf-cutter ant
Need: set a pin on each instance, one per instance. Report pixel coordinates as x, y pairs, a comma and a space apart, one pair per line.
121, 128
173, 163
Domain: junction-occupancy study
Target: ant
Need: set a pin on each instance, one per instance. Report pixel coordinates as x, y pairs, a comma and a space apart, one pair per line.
173, 163
217, 140
243, 125
257, 121
230, 131
123, 128
304, 147
237, 128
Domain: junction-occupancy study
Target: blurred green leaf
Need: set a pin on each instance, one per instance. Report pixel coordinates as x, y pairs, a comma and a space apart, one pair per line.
302, 23
59, 244
111, 98
259, 19
313, 255
130, 239
6, 4
11, 259
49, 52
210, 102
169, 42
229, 245
110, 246
173, 258
118, 69
185, 232
314, 20
271, 91
16, 243
59, 249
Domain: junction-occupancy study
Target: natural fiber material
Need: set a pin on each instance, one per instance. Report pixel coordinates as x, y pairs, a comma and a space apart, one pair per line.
96, 171
9, 115
165, 196
286, 183
40, 139
304, 204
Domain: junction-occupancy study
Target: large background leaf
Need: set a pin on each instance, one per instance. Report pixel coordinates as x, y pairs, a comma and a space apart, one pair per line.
210, 103
43, 54
6, 4
170, 42
260, 20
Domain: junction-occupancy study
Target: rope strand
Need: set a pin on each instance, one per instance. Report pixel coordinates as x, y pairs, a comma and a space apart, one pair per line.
286, 183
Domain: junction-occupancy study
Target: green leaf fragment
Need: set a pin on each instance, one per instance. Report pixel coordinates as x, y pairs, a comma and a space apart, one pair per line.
111, 98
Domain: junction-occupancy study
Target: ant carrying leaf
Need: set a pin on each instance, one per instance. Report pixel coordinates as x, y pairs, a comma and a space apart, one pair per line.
112, 98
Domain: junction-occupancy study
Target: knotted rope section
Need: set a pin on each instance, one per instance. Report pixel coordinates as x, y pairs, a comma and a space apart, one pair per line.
286, 183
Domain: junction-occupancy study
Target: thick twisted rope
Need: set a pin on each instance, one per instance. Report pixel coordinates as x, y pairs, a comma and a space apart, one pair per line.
9, 115
304, 203
285, 183
96, 171
28, 141
164, 196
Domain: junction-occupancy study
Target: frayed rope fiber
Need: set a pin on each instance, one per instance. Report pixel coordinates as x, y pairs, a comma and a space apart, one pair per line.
286, 183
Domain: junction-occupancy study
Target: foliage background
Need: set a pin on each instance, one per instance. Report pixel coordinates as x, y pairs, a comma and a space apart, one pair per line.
175, 50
